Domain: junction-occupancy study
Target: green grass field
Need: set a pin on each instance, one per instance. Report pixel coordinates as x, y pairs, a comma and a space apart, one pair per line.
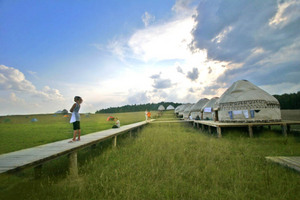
18, 132
169, 161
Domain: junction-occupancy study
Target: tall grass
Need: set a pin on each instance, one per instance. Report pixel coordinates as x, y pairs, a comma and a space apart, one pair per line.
170, 161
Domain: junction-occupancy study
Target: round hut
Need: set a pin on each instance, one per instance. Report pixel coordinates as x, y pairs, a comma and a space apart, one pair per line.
187, 111
176, 111
245, 102
196, 109
181, 109
170, 107
161, 108
208, 109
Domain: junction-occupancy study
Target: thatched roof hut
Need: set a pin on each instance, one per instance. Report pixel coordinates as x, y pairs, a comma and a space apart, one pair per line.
187, 111
245, 102
196, 109
170, 107
207, 110
161, 108
182, 108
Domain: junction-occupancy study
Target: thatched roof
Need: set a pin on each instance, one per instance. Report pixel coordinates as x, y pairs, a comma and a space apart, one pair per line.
187, 111
170, 107
244, 101
161, 107
197, 106
244, 90
210, 104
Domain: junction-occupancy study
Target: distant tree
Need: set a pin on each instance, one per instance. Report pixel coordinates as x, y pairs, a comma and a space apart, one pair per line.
136, 108
289, 101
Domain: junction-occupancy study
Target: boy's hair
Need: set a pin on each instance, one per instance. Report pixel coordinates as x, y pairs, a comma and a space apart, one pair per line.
77, 98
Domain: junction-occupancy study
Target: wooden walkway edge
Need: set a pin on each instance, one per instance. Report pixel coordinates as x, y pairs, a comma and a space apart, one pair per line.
285, 125
291, 162
36, 156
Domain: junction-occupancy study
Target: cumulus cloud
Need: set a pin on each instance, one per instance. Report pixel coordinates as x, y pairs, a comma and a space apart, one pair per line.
138, 98
162, 83
147, 19
165, 41
193, 75
155, 76
262, 36
12, 79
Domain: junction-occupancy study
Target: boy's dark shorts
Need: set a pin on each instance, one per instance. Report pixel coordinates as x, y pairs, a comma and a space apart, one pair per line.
76, 125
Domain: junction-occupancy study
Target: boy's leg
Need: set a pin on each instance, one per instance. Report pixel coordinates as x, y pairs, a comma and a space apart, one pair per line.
79, 132
74, 135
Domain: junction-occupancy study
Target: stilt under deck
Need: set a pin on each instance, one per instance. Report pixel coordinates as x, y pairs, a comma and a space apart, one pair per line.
285, 125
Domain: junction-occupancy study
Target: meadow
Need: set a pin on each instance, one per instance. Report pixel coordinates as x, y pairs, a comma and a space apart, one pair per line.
169, 161
18, 132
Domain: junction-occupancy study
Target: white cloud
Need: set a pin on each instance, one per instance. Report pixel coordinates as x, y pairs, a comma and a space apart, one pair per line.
13, 79
20, 95
287, 10
147, 19
164, 41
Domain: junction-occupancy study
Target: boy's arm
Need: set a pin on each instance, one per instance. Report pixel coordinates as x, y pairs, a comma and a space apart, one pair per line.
73, 107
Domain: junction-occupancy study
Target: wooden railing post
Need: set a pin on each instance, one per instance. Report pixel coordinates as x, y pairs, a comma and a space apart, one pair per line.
73, 168
114, 141
250, 129
219, 131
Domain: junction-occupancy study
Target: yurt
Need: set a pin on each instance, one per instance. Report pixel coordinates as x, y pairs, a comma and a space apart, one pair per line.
207, 110
176, 111
161, 108
245, 102
181, 109
196, 109
187, 111
170, 107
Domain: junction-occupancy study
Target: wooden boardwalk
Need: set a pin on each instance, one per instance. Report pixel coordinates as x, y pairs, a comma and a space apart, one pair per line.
285, 125
291, 162
36, 156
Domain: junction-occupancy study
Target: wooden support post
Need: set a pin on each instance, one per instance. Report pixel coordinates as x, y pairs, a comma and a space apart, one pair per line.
288, 128
202, 127
250, 129
73, 168
114, 141
209, 129
194, 124
130, 133
198, 125
219, 130
38, 171
269, 127
284, 129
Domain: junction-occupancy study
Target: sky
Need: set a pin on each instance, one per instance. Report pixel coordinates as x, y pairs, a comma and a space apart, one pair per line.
114, 53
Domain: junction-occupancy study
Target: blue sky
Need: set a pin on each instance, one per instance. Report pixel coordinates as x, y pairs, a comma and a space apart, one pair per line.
117, 52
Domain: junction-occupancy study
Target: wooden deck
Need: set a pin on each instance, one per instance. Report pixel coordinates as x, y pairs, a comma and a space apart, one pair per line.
36, 156
291, 162
285, 125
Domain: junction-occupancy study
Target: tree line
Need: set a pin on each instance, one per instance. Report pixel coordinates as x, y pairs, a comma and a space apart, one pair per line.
289, 101
136, 108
